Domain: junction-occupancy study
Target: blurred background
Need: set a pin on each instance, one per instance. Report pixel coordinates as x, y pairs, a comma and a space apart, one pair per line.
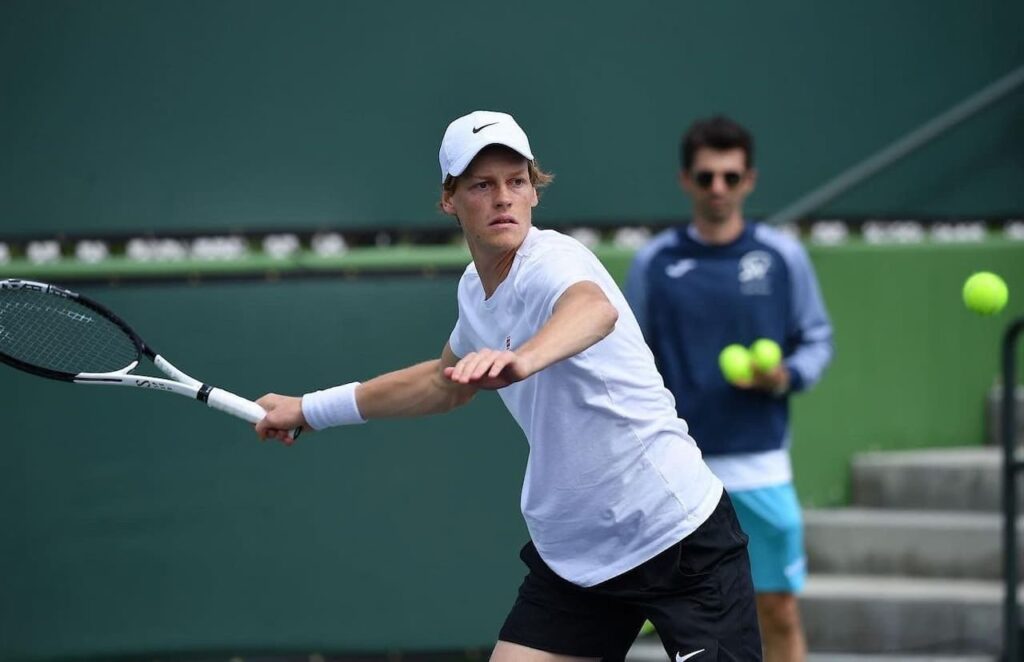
253, 185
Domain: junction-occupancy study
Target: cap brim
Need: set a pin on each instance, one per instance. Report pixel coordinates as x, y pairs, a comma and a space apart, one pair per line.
459, 165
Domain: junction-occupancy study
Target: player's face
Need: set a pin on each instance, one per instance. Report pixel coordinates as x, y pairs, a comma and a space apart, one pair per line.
493, 201
718, 182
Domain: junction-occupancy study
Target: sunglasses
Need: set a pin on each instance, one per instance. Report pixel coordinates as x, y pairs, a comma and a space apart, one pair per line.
705, 178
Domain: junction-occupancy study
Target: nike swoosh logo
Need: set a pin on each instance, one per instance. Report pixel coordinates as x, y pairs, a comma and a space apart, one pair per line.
478, 129
684, 658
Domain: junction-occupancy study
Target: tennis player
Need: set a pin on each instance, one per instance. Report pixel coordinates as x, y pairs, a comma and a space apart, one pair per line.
626, 521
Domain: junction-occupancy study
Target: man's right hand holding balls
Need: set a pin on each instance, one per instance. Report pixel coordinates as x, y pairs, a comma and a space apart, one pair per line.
759, 367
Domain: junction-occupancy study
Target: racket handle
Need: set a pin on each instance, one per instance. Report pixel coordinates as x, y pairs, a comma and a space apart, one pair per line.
235, 405
230, 403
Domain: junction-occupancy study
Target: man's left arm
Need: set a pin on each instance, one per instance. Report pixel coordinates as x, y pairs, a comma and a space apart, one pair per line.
581, 317
810, 325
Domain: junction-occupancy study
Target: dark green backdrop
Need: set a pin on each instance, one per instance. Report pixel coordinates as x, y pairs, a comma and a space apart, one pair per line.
135, 115
140, 523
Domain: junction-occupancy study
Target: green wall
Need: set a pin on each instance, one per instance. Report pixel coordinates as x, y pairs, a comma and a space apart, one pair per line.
145, 115
140, 522
912, 365
136, 521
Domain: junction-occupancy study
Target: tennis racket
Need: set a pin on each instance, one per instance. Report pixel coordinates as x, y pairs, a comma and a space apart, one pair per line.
51, 332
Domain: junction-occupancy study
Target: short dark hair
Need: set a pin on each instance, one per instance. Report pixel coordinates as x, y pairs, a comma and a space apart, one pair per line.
718, 132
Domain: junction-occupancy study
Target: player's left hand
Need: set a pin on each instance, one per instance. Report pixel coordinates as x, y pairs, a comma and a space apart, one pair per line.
489, 369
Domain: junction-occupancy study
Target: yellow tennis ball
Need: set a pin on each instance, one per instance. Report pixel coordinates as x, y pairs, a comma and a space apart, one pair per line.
766, 354
735, 363
985, 293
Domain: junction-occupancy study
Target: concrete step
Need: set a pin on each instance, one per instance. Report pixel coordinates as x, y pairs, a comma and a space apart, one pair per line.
648, 649
911, 543
929, 479
897, 615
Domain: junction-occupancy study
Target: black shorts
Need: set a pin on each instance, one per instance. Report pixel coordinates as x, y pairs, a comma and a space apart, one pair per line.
697, 593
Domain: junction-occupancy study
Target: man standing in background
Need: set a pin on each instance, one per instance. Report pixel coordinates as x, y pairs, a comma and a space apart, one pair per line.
717, 281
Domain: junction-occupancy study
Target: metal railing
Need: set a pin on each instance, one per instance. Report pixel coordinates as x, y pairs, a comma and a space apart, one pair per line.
889, 155
1011, 467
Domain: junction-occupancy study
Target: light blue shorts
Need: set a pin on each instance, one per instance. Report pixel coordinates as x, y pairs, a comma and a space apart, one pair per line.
771, 518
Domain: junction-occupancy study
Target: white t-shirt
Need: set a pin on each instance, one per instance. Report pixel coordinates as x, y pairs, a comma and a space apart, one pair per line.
613, 477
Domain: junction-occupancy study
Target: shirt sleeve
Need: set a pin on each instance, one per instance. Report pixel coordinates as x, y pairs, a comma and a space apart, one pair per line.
550, 274
636, 292
810, 322
457, 342
638, 280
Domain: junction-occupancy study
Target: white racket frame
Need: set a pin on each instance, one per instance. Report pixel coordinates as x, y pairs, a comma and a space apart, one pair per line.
180, 383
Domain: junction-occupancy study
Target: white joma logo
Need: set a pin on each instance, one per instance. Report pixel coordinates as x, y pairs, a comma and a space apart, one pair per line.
684, 658
680, 267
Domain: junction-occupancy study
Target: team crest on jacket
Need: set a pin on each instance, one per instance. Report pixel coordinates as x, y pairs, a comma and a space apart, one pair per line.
754, 268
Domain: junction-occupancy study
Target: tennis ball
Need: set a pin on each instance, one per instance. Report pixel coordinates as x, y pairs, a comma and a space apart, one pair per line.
985, 293
734, 361
765, 354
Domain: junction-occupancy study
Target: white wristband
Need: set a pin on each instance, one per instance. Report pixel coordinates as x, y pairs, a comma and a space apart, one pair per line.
331, 407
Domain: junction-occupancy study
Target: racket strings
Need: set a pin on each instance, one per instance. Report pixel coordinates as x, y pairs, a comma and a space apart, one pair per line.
60, 334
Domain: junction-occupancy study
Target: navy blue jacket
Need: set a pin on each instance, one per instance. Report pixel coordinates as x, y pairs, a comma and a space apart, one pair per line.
692, 299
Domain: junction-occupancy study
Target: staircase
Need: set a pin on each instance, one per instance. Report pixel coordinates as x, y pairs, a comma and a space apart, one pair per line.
911, 570
913, 566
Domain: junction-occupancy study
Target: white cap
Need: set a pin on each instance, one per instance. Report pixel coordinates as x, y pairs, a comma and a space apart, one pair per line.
469, 134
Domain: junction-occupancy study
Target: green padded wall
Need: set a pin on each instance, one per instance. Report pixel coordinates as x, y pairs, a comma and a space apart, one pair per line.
912, 365
137, 521
144, 115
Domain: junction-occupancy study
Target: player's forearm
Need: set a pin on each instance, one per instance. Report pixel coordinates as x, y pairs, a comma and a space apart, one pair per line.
578, 322
418, 390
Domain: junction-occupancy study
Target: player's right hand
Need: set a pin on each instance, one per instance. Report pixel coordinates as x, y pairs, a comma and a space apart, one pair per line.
284, 414
774, 381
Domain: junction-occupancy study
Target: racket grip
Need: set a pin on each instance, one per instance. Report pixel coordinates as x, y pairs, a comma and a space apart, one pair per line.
230, 403
235, 405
